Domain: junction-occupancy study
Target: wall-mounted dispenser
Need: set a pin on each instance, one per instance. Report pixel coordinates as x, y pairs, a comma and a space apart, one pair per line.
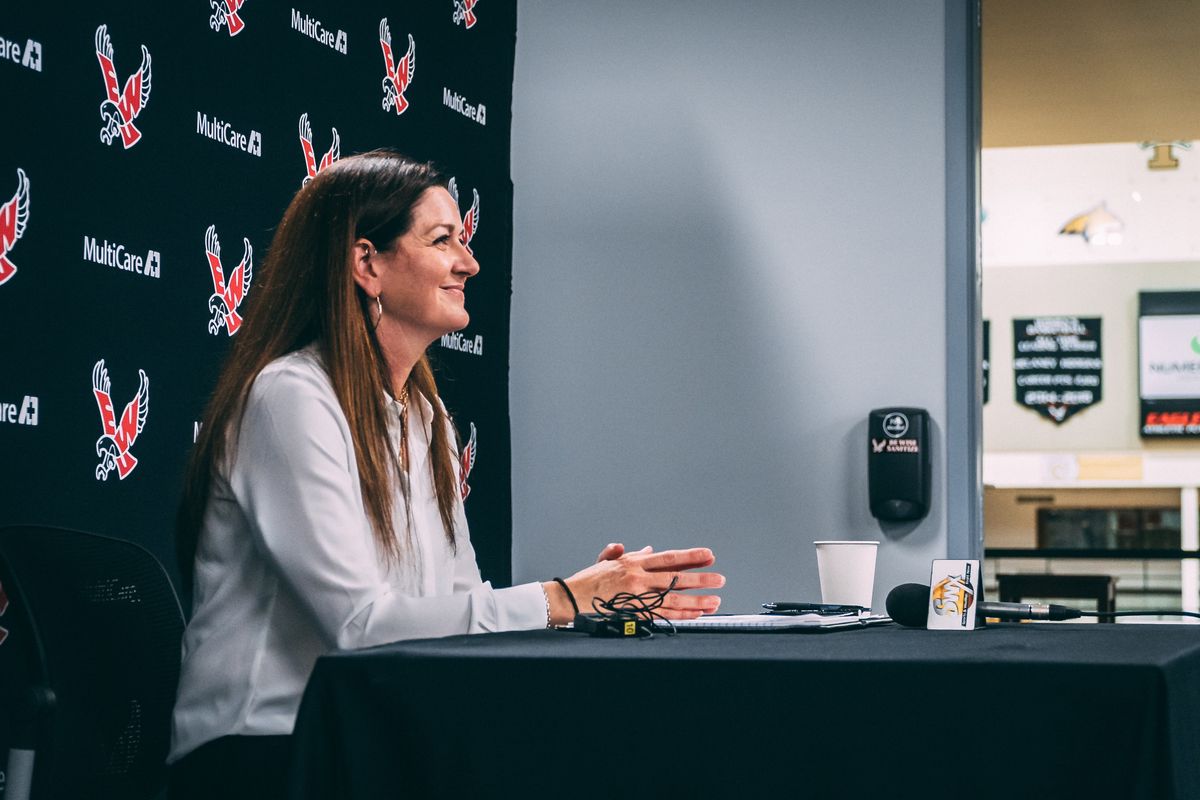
898, 466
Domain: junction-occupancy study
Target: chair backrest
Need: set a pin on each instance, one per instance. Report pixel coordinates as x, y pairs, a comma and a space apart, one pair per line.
96, 620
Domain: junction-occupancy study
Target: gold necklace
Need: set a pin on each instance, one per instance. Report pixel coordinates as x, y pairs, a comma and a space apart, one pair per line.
403, 398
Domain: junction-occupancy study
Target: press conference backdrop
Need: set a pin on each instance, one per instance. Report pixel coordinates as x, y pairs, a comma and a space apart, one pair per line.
148, 150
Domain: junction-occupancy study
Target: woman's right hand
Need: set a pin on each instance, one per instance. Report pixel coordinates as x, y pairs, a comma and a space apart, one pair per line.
638, 572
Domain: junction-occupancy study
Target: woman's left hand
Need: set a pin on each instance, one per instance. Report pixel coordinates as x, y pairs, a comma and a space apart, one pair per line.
615, 550
643, 571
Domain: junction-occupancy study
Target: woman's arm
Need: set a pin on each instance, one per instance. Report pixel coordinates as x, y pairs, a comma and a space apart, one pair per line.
294, 479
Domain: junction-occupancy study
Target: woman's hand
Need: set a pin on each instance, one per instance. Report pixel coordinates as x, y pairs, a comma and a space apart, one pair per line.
617, 571
615, 550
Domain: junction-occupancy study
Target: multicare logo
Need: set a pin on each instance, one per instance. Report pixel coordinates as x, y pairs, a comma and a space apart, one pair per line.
26, 414
310, 155
476, 112
225, 14
14, 215
463, 343
118, 256
121, 106
466, 461
464, 13
470, 222
220, 131
395, 82
314, 29
119, 435
32, 58
228, 293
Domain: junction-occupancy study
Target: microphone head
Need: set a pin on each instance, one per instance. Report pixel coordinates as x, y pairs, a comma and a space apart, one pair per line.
908, 604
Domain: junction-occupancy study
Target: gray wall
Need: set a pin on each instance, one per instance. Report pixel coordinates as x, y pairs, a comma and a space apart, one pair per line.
730, 244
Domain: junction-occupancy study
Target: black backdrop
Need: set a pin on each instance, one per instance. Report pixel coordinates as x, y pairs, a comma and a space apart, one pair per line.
61, 312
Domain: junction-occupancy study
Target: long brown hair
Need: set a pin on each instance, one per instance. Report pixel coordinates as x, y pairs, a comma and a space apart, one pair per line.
305, 293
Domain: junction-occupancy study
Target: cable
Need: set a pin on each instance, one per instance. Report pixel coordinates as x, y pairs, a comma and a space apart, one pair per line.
628, 607
1139, 614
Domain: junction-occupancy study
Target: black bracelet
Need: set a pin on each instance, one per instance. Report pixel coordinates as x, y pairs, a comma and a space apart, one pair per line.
570, 596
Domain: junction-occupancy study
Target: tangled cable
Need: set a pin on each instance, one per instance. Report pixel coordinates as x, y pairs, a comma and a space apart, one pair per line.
627, 606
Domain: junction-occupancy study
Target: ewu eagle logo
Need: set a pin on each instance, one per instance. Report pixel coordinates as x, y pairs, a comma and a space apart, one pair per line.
13, 217
470, 222
228, 293
466, 461
464, 12
395, 83
119, 435
121, 106
310, 155
225, 13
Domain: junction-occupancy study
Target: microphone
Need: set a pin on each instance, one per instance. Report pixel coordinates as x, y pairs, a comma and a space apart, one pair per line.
908, 604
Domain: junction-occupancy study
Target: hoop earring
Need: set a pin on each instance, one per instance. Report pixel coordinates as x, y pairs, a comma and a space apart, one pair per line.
379, 306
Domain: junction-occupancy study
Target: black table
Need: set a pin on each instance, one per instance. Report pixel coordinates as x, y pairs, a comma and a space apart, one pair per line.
1070, 711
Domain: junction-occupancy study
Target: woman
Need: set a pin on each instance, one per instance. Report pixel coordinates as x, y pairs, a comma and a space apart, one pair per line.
321, 508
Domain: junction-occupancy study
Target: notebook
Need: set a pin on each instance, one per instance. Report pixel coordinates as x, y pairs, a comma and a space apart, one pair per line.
779, 623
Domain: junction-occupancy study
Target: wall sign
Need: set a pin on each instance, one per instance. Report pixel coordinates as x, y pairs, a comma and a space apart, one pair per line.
1057, 364
1169, 364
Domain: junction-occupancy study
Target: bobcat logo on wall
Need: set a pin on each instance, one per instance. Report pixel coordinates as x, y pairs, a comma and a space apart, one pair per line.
13, 217
464, 12
467, 463
119, 435
228, 293
225, 14
395, 83
1097, 226
122, 106
470, 219
310, 155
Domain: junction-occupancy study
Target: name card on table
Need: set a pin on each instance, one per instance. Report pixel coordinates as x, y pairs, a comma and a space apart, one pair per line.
953, 595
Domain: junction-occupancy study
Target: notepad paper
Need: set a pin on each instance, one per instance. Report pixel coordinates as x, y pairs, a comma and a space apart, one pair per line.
776, 622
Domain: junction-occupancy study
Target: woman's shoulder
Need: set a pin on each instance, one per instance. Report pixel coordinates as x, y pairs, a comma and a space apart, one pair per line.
292, 377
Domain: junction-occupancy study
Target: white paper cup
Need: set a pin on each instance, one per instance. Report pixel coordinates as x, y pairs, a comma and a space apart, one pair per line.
847, 571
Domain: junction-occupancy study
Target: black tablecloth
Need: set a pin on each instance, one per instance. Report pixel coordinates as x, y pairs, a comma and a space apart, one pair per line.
1070, 711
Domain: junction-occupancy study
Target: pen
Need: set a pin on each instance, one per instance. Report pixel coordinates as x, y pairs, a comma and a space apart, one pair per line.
811, 608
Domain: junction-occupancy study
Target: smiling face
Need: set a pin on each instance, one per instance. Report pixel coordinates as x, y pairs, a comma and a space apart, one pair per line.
422, 273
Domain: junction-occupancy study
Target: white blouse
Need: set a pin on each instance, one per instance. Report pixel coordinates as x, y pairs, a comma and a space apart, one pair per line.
287, 568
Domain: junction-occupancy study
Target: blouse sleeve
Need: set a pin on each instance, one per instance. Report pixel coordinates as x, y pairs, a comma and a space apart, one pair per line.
294, 478
529, 597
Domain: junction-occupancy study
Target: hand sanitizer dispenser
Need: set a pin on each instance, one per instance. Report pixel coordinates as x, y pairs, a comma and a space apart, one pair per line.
898, 467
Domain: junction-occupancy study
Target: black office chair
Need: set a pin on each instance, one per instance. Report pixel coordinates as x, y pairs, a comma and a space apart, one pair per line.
89, 664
